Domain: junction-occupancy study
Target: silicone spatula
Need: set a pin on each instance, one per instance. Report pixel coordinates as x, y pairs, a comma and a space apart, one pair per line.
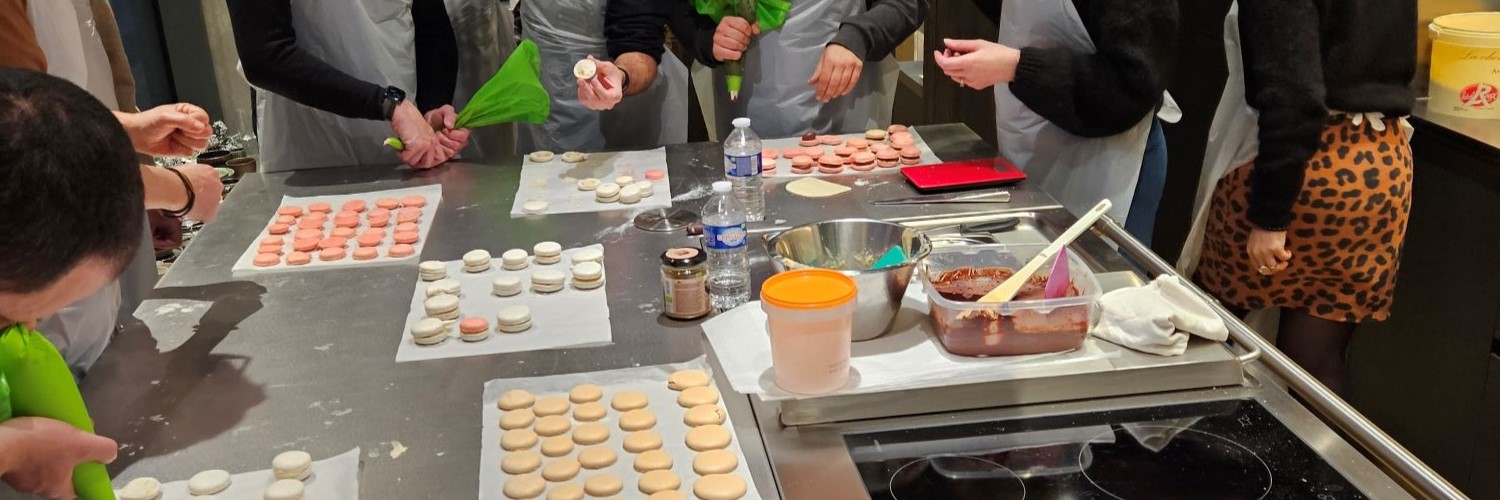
1008, 289
892, 258
1058, 280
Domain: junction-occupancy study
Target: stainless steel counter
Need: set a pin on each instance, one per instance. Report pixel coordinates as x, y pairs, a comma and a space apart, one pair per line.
1483, 133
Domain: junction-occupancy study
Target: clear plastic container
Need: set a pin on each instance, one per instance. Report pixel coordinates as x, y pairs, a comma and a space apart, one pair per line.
968, 328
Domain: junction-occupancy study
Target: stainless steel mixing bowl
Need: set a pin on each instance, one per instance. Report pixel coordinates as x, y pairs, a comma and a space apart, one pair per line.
852, 246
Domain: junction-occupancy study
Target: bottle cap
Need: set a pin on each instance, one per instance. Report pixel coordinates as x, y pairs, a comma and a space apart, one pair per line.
723, 187
742, 122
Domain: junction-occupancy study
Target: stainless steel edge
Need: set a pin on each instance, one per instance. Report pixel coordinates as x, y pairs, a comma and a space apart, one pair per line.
1415, 475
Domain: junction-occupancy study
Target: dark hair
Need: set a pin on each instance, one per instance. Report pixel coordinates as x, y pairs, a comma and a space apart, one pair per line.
70, 185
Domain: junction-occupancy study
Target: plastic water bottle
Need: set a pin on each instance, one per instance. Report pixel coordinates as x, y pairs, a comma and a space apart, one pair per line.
742, 167
724, 238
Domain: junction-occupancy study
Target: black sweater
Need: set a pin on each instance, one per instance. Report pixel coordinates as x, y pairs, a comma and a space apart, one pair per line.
273, 61
872, 35
1109, 91
1304, 58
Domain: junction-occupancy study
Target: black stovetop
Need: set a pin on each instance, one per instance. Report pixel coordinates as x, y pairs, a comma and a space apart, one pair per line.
1232, 449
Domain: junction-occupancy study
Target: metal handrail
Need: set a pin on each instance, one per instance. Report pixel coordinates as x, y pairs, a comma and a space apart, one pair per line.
1409, 470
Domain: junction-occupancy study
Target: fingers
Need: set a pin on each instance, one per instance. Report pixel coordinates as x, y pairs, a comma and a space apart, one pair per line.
586, 93
95, 448
449, 116
820, 78
963, 46
836, 84
851, 80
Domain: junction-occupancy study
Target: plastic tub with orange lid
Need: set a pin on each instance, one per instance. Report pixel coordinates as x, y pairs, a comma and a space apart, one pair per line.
810, 318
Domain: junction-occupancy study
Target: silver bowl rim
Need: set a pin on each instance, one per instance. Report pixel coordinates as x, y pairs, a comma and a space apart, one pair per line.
924, 249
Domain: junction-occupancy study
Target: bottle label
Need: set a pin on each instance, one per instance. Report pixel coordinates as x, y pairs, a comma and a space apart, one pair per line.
724, 237
686, 298
742, 166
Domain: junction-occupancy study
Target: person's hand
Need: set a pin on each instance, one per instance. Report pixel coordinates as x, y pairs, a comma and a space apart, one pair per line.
978, 64
1267, 251
422, 150
837, 73
605, 89
166, 232
732, 38
450, 141
37, 455
176, 130
208, 191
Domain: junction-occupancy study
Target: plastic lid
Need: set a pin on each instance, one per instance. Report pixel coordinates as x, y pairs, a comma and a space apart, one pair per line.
723, 187
808, 289
741, 122
683, 257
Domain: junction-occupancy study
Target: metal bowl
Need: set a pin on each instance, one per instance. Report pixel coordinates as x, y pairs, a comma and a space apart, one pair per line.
852, 246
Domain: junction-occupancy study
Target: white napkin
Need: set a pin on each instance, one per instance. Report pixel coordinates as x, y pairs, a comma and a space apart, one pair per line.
1157, 318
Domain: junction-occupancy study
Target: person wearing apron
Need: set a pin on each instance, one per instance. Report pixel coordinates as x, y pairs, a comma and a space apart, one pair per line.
567, 31
1084, 83
1309, 171
810, 74
335, 78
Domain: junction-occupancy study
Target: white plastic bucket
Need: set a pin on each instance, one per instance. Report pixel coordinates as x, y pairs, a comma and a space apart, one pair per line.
1465, 75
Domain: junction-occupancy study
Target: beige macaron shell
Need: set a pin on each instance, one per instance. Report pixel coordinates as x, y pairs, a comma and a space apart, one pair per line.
586, 393
589, 412
704, 415
518, 439
588, 271
715, 462
641, 441
285, 489
568, 491
294, 464
525, 486
551, 406
514, 315
720, 487
698, 396
521, 462
686, 379
653, 460
547, 248
515, 399
517, 419
141, 488
597, 457
629, 400
552, 425
668, 495
209, 482
708, 437
561, 470
557, 446
590, 434
659, 480
637, 420
548, 277
588, 255
603, 485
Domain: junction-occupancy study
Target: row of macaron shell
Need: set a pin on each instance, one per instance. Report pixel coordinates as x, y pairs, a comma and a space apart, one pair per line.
309, 235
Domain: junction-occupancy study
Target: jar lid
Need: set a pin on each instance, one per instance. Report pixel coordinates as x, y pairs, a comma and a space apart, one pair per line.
683, 257
808, 289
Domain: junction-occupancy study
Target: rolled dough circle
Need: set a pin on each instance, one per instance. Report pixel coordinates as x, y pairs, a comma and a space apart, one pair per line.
597, 457
590, 434
589, 412
521, 462
553, 425
525, 486
704, 415
603, 485
557, 446
720, 487
708, 437
284, 489
520, 439
687, 379
653, 460
637, 420
561, 470
586, 393
659, 480
551, 406
715, 462
698, 396
141, 488
568, 491
515, 399
637, 442
629, 400
517, 419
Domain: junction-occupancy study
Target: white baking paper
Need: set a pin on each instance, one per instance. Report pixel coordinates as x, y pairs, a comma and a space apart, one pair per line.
556, 182
568, 318
784, 165
649, 379
909, 357
433, 193
336, 477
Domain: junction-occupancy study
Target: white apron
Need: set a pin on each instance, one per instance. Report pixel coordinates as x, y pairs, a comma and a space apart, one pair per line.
371, 40
566, 31
775, 94
1077, 171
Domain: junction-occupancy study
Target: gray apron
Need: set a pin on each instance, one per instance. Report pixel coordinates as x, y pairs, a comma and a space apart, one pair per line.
371, 40
566, 31
775, 94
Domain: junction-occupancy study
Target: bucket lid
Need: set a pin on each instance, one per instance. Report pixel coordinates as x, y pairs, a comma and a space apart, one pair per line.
808, 289
1485, 24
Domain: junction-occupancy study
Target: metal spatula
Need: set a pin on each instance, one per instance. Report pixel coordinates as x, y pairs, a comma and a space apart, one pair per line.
1008, 289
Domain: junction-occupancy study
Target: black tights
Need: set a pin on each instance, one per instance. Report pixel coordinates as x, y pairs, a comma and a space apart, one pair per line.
1318, 345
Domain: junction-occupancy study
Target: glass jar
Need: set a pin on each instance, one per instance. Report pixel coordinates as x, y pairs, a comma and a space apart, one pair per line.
684, 283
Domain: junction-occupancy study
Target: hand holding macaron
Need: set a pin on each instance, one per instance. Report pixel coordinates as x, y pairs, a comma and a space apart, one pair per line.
604, 90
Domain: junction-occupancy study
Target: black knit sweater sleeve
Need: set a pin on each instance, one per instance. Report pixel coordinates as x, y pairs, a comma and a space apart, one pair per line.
1106, 92
636, 26
875, 34
1284, 81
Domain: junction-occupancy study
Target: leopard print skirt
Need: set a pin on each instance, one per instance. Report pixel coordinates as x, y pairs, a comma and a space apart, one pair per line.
1346, 233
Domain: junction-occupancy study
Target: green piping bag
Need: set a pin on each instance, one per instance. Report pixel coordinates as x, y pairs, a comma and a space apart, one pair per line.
41, 385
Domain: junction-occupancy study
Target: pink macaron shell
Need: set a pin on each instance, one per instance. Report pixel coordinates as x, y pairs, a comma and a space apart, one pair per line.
409, 215
388, 203
379, 212
473, 325
831, 170
401, 250
366, 253
802, 162
370, 240
319, 207
306, 244
286, 219
768, 164
346, 222
328, 243
331, 254
309, 233
769, 153
266, 259
307, 223
414, 201
407, 237
273, 240
270, 249
895, 128
845, 151
342, 232
292, 210
864, 157
862, 168
802, 171
379, 221
656, 174
407, 227
859, 144
355, 206
830, 140
298, 258
791, 152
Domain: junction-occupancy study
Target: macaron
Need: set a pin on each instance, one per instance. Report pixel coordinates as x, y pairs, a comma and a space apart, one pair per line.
476, 261
304, 234
473, 329
860, 144
514, 319
414, 201
370, 239
888, 158
802, 165
624, 180
896, 128
655, 174
791, 152
911, 155
432, 270
272, 240
319, 207
209, 482
880, 146
864, 161
332, 254
648, 189
630, 195
541, 156
429, 331
507, 286
535, 207
830, 165
768, 153
902, 142
445, 286
285, 489
366, 253
588, 255
380, 219
607, 193
875, 134
815, 153
291, 210
831, 140
574, 157
355, 206
298, 258
407, 237
547, 253
375, 232
588, 184
328, 243
311, 223
270, 249
266, 259
515, 259
767, 164
444, 307
407, 227
342, 232
319, 217
401, 250
292, 465
409, 214
588, 276
808, 139
306, 244
346, 219
286, 219
141, 488
547, 281
845, 151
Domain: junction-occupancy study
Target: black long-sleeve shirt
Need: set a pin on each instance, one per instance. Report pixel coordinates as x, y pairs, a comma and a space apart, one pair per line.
1106, 92
1306, 57
637, 26
272, 60
872, 35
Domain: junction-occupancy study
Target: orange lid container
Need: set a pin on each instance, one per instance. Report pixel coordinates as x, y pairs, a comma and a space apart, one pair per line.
808, 289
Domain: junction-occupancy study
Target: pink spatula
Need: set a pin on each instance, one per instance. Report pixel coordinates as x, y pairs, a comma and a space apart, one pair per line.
1058, 280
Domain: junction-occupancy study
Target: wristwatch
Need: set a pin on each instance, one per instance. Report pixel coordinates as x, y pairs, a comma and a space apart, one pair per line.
393, 98
624, 81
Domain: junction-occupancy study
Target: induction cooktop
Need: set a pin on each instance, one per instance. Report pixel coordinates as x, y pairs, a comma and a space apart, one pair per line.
1229, 449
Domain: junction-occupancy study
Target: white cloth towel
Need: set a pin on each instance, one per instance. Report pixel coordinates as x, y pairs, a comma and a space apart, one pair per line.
1157, 318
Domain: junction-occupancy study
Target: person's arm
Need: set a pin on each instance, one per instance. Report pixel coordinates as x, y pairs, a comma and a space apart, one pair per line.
875, 34
695, 31
1284, 81
273, 61
1111, 90
37, 455
437, 54
635, 40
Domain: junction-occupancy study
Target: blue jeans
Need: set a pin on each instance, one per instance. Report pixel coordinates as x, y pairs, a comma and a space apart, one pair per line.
1148, 190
